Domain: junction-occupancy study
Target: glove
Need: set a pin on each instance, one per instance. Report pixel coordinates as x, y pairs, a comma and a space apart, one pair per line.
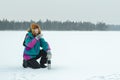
38, 36
49, 55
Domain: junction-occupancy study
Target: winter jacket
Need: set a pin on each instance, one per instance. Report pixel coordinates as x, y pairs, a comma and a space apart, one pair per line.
32, 48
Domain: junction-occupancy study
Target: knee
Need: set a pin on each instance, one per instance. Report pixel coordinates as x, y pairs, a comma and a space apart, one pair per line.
43, 52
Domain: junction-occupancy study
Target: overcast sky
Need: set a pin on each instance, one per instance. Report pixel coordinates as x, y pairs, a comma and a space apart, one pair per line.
61, 10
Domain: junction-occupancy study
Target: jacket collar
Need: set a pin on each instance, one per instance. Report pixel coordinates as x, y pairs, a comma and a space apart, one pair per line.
30, 34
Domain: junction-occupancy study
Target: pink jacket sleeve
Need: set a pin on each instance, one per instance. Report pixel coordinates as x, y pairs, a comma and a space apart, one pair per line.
32, 43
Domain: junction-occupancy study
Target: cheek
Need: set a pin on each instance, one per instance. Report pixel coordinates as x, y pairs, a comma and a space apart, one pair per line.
36, 31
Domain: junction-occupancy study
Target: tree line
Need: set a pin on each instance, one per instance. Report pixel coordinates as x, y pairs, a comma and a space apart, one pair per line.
57, 25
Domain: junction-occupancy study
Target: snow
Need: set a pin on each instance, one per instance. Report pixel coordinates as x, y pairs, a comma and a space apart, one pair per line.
77, 55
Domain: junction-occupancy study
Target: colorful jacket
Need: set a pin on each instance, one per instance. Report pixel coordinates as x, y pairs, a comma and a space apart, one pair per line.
32, 48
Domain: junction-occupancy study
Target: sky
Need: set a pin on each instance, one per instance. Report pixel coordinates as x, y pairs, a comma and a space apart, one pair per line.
61, 10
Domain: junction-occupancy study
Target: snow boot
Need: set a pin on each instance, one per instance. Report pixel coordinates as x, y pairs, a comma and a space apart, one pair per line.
25, 64
43, 66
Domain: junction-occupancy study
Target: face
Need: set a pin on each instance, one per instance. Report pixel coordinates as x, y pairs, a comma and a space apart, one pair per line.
36, 31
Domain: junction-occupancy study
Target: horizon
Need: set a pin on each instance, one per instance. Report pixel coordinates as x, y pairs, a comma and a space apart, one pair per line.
55, 20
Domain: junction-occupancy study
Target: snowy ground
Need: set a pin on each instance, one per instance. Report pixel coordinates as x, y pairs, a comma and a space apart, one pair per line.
76, 56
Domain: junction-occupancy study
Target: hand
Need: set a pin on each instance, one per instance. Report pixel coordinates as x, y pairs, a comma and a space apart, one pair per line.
49, 55
38, 36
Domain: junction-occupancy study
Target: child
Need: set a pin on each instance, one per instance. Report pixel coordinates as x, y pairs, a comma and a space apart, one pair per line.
33, 41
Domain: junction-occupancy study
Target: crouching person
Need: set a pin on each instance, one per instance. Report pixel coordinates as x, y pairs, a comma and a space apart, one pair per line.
35, 48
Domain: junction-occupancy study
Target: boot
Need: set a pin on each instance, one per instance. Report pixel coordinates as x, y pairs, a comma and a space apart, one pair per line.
43, 66
25, 64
